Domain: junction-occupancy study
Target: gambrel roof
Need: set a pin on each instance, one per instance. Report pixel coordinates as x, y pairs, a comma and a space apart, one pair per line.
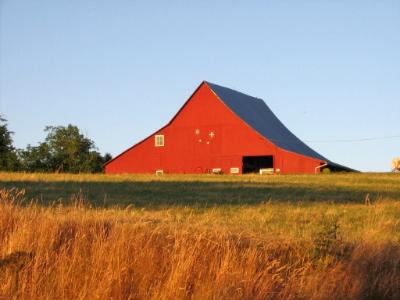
258, 115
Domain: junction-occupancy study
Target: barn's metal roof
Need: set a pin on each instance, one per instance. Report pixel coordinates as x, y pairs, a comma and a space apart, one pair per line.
259, 116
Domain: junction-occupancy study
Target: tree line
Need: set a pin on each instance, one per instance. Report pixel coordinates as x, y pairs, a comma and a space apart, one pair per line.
64, 150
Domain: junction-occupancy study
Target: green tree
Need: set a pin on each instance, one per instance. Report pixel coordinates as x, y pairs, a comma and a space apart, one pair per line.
36, 159
65, 149
8, 156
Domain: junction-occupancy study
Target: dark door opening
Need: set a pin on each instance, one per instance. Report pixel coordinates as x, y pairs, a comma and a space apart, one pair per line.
253, 164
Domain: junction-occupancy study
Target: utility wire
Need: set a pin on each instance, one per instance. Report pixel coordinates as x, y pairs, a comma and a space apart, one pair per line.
356, 140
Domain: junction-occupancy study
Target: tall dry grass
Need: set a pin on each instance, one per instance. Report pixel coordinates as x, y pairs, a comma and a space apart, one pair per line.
73, 252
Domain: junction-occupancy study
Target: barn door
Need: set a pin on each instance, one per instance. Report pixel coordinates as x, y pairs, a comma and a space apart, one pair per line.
253, 164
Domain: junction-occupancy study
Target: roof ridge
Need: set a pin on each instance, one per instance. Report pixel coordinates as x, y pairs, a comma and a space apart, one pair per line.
233, 90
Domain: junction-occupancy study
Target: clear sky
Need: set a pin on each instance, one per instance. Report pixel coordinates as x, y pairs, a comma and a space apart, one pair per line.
330, 70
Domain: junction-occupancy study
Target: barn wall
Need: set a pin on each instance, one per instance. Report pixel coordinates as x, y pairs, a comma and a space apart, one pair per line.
290, 163
189, 148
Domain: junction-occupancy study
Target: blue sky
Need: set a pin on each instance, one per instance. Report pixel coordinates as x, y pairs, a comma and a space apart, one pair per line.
330, 70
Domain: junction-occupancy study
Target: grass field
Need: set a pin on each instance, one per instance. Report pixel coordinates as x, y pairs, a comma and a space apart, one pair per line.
200, 237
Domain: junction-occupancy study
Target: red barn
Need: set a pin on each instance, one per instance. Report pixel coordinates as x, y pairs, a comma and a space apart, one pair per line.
222, 131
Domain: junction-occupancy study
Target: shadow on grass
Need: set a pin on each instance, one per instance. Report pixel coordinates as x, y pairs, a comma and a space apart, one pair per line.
156, 194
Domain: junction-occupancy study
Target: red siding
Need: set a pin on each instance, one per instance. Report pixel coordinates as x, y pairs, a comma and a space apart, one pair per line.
188, 152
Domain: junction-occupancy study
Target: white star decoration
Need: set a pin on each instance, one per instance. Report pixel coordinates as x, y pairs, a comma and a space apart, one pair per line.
212, 134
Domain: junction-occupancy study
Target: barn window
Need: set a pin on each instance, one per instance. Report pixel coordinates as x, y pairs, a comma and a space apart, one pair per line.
159, 140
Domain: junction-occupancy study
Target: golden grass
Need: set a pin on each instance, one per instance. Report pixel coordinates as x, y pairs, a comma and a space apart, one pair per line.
270, 250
